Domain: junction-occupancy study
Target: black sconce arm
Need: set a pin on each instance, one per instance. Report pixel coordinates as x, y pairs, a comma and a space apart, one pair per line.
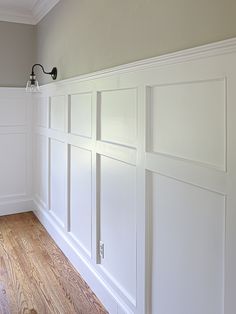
53, 73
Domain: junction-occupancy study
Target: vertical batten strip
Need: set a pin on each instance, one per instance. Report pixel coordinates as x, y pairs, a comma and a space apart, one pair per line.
140, 200
95, 180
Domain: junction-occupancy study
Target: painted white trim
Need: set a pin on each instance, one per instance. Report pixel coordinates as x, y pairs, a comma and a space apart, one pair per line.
86, 269
16, 207
118, 78
42, 8
209, 50
16, 17
31, 16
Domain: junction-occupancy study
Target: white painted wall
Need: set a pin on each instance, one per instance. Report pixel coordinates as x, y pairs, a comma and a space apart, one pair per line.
16, 149
142, 158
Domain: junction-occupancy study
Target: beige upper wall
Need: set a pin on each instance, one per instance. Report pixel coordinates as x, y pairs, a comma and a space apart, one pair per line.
81, 36
17, 53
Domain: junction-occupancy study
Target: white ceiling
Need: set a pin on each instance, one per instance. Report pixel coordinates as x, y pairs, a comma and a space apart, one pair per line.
25, 11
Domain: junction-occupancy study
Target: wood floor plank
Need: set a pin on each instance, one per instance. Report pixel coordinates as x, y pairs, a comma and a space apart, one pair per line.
35, 276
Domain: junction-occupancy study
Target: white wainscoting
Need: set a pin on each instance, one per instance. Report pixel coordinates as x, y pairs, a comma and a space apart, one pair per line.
142, 158
16, 151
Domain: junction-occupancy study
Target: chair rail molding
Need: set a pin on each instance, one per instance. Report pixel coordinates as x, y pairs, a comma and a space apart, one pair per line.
223, 47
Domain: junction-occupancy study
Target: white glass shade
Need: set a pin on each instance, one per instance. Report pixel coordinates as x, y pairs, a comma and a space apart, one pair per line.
32, 86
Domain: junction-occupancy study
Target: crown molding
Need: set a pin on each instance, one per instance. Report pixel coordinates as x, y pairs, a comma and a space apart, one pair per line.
31, 16
41, 8
16, 17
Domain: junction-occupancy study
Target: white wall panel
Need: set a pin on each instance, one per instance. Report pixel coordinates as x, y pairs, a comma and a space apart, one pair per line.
118, 223
118, 110
13, 110
81, 114
58, 180
41, 111
81, 197
188, 248
58, 113
16, 151
188, 121
13, 169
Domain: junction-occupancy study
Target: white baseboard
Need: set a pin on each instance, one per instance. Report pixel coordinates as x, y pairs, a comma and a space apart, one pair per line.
85, 267
15, 207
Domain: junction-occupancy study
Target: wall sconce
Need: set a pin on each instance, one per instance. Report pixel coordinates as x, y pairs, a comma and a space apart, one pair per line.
32, 85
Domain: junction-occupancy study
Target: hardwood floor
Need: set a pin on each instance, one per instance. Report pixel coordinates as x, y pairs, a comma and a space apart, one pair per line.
35, 276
